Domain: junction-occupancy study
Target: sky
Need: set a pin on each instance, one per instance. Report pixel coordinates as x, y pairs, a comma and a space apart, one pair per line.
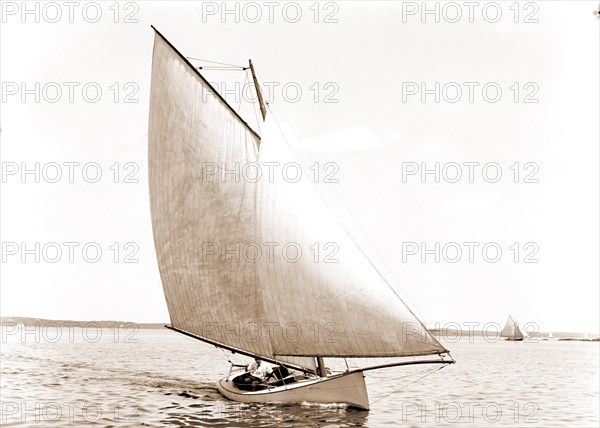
506, 96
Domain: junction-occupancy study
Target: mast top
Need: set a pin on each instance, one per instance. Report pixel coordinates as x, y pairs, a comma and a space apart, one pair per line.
261, 102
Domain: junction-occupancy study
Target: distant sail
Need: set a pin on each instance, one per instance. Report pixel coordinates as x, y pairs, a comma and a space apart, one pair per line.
512, 330
331, 293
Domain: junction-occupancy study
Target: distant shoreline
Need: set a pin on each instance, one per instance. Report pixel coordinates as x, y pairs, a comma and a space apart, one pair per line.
32, 322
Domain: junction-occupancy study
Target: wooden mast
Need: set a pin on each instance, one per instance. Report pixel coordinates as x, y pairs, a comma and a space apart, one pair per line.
263, 108
321, 371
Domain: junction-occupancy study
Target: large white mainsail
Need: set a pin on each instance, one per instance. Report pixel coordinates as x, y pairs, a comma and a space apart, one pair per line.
208, 226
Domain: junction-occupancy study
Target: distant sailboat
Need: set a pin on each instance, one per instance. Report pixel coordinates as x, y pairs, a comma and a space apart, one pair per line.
512, 331
292, 315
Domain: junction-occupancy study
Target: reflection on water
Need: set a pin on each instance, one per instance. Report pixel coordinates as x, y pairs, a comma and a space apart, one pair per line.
237, 414
163, 379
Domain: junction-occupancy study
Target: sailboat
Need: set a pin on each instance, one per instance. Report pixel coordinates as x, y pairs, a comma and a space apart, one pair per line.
292, 314
549, 336
512, 331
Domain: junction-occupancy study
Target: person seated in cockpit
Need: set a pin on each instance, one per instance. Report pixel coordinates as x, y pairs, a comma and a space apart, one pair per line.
258, 369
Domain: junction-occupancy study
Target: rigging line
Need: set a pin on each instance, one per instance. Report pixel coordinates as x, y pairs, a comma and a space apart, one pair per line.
213, 62
224, 355
211, 68
255, 112
406, 376
242, 94
410, 383
364, 234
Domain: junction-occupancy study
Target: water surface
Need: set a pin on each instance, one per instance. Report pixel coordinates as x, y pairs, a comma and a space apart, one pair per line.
160, 378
